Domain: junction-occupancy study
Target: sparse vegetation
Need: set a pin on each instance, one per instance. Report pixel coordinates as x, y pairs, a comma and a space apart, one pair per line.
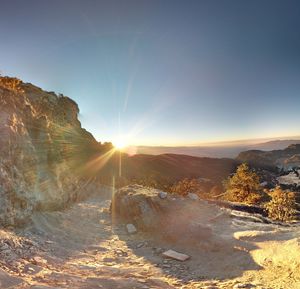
186, 186
11, 83
243, 186
216, 192
282, 206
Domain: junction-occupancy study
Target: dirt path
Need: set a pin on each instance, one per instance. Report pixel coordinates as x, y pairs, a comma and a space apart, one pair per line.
81, 248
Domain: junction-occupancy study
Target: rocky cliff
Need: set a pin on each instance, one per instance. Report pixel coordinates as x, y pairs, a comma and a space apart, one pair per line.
42, 147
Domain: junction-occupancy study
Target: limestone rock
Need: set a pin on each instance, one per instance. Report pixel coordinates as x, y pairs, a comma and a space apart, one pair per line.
131, 229
163, 195
193, 196
175, 255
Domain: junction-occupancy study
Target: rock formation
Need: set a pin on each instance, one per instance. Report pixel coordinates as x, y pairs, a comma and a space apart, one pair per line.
176, 219
42, 148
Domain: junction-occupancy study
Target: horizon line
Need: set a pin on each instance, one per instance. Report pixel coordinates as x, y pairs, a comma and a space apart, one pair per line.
223, 143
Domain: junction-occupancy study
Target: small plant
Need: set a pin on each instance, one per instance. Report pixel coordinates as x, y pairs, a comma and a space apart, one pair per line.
282, 206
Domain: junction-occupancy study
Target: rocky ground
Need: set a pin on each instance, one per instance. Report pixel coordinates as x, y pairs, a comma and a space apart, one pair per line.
84, 247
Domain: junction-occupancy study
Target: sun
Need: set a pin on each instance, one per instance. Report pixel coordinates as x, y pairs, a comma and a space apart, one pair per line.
120, 144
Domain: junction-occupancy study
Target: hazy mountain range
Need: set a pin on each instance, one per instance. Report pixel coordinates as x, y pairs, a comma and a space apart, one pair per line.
287, 158
224, 150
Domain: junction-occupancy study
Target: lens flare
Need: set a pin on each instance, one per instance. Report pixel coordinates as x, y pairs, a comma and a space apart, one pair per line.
120, 144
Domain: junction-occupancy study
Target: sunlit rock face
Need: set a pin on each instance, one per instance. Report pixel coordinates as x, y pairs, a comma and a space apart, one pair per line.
42, 148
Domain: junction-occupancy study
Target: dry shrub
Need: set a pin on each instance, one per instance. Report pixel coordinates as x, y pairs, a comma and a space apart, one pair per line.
11, 83
282, 206
186, 186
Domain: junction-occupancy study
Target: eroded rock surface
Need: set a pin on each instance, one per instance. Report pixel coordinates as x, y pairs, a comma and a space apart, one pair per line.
174, 218
42, 147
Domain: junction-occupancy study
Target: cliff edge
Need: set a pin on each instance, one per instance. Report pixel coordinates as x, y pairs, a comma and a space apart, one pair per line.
42, 147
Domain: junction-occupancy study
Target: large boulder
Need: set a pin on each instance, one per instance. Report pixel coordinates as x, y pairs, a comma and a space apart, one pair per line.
174, 218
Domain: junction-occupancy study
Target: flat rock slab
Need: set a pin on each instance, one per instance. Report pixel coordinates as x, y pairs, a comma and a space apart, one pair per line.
7, 281
175, 255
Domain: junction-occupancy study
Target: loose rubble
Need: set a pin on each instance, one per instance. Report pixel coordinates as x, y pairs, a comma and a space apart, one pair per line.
82, 248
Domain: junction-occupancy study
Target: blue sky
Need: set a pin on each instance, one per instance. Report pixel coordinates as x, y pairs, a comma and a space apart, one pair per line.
162, 72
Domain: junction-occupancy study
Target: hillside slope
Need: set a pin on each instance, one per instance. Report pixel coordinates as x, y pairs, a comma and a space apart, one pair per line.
172, 167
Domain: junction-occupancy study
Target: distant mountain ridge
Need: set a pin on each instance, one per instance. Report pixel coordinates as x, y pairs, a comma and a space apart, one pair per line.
275, 144
171, 167
216, 151
287, 158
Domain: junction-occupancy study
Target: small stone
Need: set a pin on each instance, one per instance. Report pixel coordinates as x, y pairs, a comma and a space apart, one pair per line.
175, 255
49, 242
131, 229
163, 195
6, 251
244, 286
32, 269
193, 196
4, 246
140, 245
109, 260
39, 261
44, 287
158, 250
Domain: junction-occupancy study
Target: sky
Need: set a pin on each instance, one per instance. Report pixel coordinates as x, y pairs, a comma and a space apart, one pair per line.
162, 72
